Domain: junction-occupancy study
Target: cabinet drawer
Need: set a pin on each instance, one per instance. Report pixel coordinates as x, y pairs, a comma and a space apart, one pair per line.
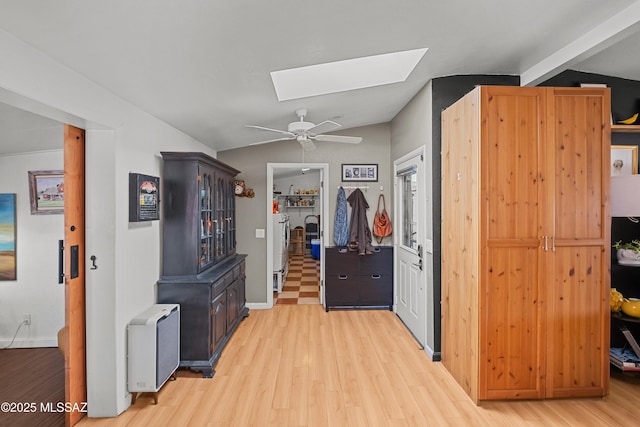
376, 289
236, 272
340, 262
218, 286
341, 290
380, 262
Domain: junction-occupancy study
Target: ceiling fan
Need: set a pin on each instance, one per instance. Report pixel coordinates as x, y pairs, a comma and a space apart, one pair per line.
306, 132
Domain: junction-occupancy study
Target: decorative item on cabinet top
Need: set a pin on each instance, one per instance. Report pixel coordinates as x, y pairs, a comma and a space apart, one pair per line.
631, 307
144, 197
628, 253
242, 191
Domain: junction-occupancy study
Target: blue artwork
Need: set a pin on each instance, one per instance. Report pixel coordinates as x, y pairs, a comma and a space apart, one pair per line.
7, 237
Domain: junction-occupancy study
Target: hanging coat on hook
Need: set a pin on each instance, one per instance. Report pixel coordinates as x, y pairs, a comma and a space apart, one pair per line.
341, 223
359, 231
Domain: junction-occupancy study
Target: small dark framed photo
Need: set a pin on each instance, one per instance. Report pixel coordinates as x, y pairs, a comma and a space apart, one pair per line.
359, 172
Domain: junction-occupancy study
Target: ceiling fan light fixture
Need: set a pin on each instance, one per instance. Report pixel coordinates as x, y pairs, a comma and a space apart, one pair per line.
300, 126
307, 144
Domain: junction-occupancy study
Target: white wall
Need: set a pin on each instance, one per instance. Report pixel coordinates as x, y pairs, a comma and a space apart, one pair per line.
36, 290
120, 139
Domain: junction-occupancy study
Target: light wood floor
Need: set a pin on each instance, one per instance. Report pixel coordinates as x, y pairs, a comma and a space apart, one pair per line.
299, 366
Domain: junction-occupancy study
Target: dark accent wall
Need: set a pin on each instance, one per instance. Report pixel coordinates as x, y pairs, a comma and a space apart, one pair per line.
446, 91
625, 94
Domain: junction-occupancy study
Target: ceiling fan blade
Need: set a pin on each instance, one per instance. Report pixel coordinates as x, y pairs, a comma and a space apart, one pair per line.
339, 138
273, 140
326, 126
272, 130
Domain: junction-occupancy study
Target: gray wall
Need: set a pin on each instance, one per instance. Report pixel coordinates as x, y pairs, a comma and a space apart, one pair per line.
252, 161
417, 124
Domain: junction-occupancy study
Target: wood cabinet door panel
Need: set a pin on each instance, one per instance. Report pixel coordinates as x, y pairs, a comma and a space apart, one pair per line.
580, 169
232, 305
577, 307
512, 136
578, 260
218, 320
510, 351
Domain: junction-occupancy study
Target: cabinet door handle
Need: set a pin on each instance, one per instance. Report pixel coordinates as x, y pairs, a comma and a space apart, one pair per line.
546, 244
553, 243
375, 276
342, 250
343, 277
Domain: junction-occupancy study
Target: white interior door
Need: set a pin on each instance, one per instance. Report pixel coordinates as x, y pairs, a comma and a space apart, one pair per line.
410, 275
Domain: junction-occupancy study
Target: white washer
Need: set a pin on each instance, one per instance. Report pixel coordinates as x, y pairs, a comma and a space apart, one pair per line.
280, 249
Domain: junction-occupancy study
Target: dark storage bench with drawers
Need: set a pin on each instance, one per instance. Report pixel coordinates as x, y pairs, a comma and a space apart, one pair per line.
357, 281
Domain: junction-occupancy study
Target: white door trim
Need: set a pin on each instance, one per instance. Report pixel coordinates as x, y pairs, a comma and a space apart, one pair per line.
324, 209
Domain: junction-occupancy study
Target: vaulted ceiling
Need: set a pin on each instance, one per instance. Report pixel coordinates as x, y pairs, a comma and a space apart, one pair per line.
204, 66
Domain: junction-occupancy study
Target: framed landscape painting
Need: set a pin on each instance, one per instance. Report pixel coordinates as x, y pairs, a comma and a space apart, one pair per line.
7, 236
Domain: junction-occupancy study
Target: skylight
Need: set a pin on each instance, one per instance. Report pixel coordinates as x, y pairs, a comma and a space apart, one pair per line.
345, 75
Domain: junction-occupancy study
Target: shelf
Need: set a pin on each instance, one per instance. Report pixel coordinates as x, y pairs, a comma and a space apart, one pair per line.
297, 195
625, 318
625, 128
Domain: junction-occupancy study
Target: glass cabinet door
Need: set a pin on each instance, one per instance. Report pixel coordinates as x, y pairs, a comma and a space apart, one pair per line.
220, 220
205, 191
231, 215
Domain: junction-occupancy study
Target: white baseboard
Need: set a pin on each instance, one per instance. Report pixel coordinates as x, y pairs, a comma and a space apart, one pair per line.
29, 343
429, 352
258, 306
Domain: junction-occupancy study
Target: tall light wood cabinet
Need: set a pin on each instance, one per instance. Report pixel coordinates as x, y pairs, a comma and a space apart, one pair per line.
525, 242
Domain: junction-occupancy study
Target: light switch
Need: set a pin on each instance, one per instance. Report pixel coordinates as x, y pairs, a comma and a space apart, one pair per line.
259, 233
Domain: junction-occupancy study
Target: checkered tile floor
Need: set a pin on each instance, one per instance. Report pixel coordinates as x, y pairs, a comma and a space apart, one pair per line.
302, 284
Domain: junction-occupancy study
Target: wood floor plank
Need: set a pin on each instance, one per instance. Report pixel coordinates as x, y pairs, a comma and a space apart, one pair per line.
300, 366
33, 376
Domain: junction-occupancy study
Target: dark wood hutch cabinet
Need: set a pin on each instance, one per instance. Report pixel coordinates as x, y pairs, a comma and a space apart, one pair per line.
201, 270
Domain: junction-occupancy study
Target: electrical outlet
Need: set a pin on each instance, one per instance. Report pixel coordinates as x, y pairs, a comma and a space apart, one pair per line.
27, 319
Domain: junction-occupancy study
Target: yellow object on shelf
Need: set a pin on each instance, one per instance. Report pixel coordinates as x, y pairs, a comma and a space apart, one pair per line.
631, 307
631, 120
615, 300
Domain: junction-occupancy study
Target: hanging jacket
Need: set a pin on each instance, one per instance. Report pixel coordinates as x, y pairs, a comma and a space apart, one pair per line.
359, 231
341, 222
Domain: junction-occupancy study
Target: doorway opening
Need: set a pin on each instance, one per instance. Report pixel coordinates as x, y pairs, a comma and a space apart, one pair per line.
297, 217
